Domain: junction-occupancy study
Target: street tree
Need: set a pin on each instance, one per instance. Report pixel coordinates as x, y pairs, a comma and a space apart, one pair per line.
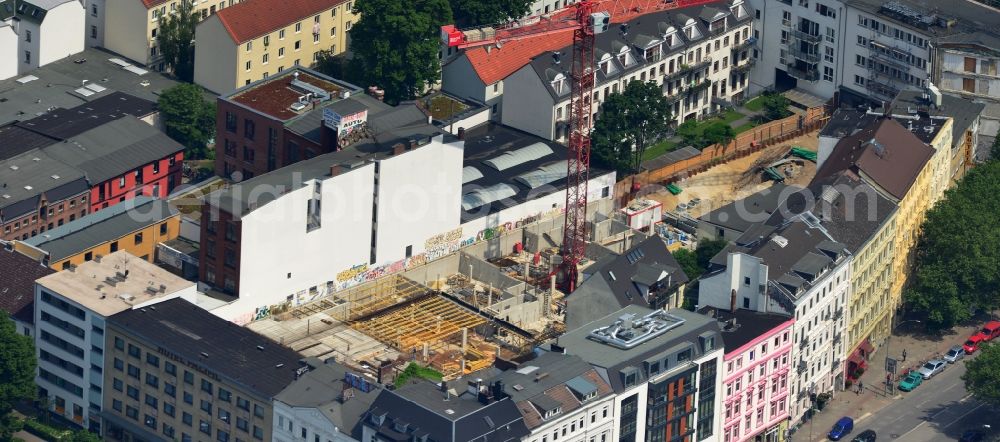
775, 106
17, 373
995, 149
957, 256
84, 436
707, 249
396, 43
689, 263
189, 119
982, 375
469, 13
628, 123
175, 40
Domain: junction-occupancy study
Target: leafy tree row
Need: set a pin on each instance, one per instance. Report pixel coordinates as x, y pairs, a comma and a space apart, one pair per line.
957, 265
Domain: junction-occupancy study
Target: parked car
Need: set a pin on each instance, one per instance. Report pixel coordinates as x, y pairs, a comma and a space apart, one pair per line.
842, 428
972, 344
911, 381
932, 368
989, 331
954, 354
865, 436
977, 434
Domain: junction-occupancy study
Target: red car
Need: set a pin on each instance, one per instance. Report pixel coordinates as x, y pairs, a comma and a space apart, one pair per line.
989, 332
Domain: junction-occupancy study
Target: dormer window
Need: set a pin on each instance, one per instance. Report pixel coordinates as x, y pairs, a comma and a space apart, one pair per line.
549, 414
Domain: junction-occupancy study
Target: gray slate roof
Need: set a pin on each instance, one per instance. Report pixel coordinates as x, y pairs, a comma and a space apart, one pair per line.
740, 215
963, 112
602, 294
321, 388
17, 283
112, 149
25, 177
102, 226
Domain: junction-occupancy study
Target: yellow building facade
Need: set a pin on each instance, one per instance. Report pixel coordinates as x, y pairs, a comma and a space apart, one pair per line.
870, 306
141, 243
130, 26
230, 53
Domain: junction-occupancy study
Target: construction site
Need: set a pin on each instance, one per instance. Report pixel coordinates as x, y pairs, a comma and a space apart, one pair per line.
457, 314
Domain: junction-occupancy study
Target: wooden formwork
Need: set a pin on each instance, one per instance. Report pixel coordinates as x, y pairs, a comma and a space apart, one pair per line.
430, 320
363, 300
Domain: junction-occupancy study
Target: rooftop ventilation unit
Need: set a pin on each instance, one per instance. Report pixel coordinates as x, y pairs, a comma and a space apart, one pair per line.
781, 241
628, 331
297, 106
304, 87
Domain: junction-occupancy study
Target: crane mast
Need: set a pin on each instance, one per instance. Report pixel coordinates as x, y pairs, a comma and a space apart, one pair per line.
589, 17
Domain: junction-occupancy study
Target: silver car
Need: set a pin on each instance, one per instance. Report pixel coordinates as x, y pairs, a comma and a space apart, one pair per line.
932, 368
954, 354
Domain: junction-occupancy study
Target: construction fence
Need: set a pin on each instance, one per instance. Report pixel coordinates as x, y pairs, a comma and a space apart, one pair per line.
746, 143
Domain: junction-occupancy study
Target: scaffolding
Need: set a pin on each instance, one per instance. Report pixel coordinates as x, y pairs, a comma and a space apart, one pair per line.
428, 321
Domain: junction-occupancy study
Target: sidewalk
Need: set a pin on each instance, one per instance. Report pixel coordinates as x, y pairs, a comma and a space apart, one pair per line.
919, 347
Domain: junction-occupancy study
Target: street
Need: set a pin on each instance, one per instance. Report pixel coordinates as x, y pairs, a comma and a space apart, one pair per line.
939, 409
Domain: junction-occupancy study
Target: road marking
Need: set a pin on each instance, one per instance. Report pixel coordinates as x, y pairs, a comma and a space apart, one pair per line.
965, 414
864, 416
901, 437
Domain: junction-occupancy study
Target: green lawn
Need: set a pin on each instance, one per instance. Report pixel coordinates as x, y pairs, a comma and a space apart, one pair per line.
755, 105
415, 371
728, 117
745, 127
658, 149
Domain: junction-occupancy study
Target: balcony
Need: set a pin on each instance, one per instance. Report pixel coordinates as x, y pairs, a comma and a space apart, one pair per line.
807, 37
837, 337
802, 367
695, 88
838, 314
745, 66
746, 44
808, 57
803, 74
881, 88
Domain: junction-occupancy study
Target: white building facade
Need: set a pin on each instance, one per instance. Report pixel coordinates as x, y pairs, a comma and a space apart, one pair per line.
44, 31
70, 312
698, 62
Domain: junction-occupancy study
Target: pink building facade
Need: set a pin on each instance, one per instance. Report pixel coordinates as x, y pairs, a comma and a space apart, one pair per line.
756, 375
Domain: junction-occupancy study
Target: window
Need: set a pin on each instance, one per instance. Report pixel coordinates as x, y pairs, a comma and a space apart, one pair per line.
152, 380
137, 238
188, 398
242, 403
243, 425
224, 415
27, 35
206, 386
151, 401
298, 44
230, 122
186, 418
298, 27
206, 406
248, 128
188, 377
224, 395
132, 392
116, 405
132, 413
258, 410
119, 364
248, 65
133, 371
152, 359
205, 427
258, 433
169, 389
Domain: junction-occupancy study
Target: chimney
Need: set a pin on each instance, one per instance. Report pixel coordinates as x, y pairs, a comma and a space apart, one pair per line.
335, 170
412, 145
398, 148
732, 302
461, 133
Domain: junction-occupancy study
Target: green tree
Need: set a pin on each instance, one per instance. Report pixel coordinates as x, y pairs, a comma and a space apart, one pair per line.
175, 40
338, 66
707, 249
995, 149
689, 263
691, 133
189, 119
396, 44
982, 375
470, 13
718, 133
85, 436
775, 106
957, 256
17, 373
629, 122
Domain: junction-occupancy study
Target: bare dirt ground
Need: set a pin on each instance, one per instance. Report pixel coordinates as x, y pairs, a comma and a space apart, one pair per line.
740, 178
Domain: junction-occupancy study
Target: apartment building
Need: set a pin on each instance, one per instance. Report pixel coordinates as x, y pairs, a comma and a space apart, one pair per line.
325, 403
129, 27
284, 108
698, 55
910, 166
174, 371
757, 373
798, 268
643, 274
47, 191
559, 396
72, 308
135, 226
965, 126
38, 32
255, 39
441, 412
664, 368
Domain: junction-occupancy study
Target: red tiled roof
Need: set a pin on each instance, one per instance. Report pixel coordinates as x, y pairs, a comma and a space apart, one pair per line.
151, 3
496, 64
252, 18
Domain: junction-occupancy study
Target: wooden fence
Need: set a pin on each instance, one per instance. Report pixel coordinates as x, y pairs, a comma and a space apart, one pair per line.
753, 140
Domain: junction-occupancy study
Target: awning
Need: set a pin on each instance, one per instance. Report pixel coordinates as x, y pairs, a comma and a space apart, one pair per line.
867, 347
856, 359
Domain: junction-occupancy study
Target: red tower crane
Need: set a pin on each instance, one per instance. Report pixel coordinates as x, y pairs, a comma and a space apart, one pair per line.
586, 18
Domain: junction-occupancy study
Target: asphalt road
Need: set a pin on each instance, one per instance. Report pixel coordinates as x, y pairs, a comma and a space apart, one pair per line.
939, 409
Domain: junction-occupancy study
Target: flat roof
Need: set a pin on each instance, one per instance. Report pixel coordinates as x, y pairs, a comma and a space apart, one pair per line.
274, 95
102, 226
55, 85
963, 112
578, 341
16, 140
25, 177
236, 353
90, 284
749, 325
62, 123
972, 20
